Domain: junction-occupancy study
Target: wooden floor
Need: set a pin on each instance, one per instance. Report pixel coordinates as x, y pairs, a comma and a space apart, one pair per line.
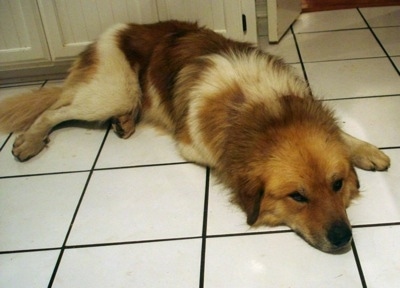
318, 5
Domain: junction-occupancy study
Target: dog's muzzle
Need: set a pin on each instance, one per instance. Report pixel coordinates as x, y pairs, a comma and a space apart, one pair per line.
339, 234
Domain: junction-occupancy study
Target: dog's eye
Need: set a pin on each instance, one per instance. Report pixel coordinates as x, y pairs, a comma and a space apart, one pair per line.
337, 185
296, 196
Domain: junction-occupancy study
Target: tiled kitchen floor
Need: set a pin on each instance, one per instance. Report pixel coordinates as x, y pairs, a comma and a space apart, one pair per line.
93, 210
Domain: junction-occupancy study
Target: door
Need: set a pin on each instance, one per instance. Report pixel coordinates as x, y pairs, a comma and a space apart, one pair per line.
21, 33
71, 25
232, 18
281, 14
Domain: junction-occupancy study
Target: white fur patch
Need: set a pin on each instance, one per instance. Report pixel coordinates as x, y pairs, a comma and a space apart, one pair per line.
261, 79
156, 113
113, 89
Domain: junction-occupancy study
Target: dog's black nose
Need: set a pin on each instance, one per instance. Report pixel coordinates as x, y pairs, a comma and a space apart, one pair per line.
339, 234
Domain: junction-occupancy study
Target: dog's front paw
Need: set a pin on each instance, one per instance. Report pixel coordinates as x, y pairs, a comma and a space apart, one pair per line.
369, 157
25, 147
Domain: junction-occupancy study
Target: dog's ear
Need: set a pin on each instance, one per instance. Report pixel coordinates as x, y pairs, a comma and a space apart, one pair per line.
250, 201
354, 178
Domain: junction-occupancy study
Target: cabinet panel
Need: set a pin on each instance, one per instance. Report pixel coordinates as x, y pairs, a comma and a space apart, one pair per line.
281, 14
70, 25
21, 33
223, 16
49, 33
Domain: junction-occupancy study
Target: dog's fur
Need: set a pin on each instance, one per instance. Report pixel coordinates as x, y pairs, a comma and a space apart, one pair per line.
229, 106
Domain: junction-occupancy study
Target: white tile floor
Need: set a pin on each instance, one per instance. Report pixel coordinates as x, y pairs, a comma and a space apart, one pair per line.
93, 210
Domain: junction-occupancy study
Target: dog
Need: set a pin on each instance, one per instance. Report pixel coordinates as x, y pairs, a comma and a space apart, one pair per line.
229, 106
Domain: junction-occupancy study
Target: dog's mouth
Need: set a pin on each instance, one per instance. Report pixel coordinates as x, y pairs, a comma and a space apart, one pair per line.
340, 250
325, 246
337, 240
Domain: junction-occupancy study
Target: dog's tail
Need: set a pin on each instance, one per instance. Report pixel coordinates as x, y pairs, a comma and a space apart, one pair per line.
19, 112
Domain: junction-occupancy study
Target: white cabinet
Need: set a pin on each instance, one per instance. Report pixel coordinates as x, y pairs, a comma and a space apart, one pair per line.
281, 14
22, 37
274, 17
234, 19
47, 32
71, 25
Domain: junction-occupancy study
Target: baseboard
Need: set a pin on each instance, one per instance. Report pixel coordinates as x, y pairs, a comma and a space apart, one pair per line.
57, 70
318, 5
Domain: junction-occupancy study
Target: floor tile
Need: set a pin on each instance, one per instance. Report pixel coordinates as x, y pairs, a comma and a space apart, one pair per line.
54, 83
162, 199
33, 269
375, 120
36, 212
141, 204
325, 46
396, 61
382, 16
161, 264
380, 197
390, 39
70, 149
275, 260
286, 48
225, 217
15, 90
379, 252
329, 21
3, 138
353, 78
147, 146
298, 69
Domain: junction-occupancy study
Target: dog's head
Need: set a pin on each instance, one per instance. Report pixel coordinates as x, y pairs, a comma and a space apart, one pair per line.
305, 181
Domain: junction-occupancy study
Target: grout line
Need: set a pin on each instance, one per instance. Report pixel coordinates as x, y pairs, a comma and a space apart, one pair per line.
22, 84
203, 237
376, 225
379, 42
299, 54
5, 142
389, 148
346, 59
82, 246
53, 276
44, 174
333, 30
29, 250
144, 166
204, 232
360, 97
358, 263
285, 230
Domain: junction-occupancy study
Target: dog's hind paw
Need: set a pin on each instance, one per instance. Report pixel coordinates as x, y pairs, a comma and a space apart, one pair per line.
26, 147
124, 126
369, 157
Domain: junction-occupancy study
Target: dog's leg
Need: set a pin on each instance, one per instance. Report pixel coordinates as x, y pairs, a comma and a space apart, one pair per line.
124, 126
32, 141
365, 155
192, 154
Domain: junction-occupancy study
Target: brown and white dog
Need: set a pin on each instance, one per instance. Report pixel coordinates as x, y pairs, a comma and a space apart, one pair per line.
228, 105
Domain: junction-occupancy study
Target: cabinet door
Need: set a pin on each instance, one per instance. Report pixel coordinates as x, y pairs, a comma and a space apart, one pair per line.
21, 33
232, 18
281, 14
71, 25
